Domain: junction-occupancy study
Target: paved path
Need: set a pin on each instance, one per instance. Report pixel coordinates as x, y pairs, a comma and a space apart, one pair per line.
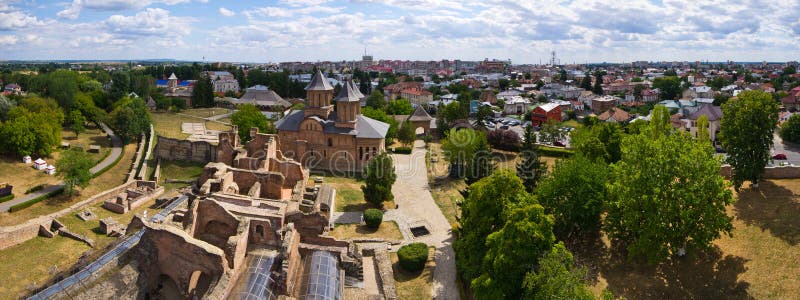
417, 207
116, 151
348, 217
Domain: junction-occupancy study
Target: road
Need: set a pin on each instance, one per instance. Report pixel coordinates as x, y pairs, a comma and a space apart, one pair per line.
416, 207
792, 151
116, 151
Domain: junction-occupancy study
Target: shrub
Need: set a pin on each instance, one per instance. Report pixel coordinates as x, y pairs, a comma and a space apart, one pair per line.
554, 152
402, 150
412, 257
373, 218
504, 140
35, 188
6, 198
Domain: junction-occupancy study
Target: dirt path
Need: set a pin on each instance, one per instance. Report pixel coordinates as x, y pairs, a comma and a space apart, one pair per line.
417, 208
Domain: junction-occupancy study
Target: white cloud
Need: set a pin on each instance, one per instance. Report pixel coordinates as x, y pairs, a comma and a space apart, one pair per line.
74, 9
12, 19
151, 21
6, 40
226, 12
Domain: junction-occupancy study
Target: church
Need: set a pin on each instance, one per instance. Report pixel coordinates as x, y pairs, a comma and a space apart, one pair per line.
331, 137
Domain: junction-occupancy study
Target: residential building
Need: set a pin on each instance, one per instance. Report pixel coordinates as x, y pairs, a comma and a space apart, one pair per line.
392, 91
488, 96
516, 105
714, 115
615, 115
12, 88
546, 112
416, 96
223, 81
792, 101
321, 138
604, 103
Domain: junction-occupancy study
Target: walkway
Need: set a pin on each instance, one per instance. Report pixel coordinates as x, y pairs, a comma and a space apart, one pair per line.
417, 207
116, 151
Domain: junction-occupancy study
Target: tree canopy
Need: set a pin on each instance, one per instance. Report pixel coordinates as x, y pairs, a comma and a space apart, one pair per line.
379, 180
557, 277
746, 133
75, 166
399, 107
669, 87
203, 93
574, 192
33, 127
530, 168
666, 194
130, 118
790, 130
250, 116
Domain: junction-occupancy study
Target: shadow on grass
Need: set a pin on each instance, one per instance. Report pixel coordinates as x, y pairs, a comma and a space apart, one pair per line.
100, 140
771, 207
701, 275
364, 229
402, 275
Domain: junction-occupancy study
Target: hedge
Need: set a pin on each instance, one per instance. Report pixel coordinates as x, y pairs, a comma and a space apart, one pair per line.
554, 151
6, 198
373, 218
34, 189
402, 150
412, 257
33, 201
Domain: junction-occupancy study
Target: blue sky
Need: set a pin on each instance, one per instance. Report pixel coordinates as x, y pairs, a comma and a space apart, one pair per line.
314, 30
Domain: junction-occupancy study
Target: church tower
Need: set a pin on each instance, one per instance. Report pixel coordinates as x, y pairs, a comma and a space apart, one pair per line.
172, 83
348, 105
319, 93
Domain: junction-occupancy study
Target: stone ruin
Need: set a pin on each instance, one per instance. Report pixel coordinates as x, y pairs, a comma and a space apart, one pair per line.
252, 229
131, 198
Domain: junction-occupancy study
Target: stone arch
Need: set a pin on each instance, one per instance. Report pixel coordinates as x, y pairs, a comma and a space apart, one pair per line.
167, 288
199, 282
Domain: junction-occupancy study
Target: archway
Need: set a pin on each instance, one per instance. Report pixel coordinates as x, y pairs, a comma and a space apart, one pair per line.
199, 283
167, 288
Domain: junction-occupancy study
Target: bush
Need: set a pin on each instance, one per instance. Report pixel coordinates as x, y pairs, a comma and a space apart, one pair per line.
35, 189
412, 257
402, 150
554, 152
504, 140
6, 198
373, 218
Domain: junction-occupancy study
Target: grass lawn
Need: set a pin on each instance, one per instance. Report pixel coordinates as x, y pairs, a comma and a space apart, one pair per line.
388, 230
759, 261
572, 123
206, 112
349, 196
24, 177
181, 170
168, 124
111, 178
414, 285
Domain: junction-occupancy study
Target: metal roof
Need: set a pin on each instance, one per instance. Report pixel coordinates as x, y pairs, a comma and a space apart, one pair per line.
348, 93
319, 83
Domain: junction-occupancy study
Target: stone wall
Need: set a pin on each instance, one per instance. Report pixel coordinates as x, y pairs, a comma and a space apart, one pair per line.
13, 235
784, 172
174, 149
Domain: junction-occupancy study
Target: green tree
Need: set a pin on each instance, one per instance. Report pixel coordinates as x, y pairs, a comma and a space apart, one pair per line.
702, 130
551, 132
484, 114
669, 87
746, 133
482, 163
178, 104
62, 85
666, 195
790, 130
458, 148
586, 83
399, 107
203, 93
120, 85
379, 180
75, 166
512, 251
250, 116
5, 106
562, 75
598, 84
530, 168
601, 141
483, 212
90, 86
376, 100
406, 134
130, 118
557, 277
76, 122
574, 192
33, 127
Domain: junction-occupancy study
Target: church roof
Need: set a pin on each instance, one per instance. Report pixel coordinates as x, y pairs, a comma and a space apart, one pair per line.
260, 95
348, 93
171, 77
420, 115
319, 83
358, 92
365, 127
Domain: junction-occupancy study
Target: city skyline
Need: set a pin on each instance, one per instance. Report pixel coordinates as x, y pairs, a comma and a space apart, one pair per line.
325, 30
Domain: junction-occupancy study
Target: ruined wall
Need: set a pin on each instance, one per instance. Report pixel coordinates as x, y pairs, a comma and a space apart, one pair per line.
784, 172
174, 149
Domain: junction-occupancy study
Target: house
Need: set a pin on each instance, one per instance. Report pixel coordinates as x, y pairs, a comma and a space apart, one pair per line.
222, 81
586, 98
604, 103
321, 138
516, 105
792, 101
649, 95
416, 96
263, 98
392, 91
615, 115
508, 94
546, 112
714, 115
699, 92
12, 88
488, 96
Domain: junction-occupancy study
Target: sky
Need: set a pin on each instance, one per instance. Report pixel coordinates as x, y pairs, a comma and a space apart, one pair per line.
524, 31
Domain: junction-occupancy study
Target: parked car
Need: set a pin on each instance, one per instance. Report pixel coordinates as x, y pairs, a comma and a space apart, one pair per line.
779, 156
559, 144
720, 150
